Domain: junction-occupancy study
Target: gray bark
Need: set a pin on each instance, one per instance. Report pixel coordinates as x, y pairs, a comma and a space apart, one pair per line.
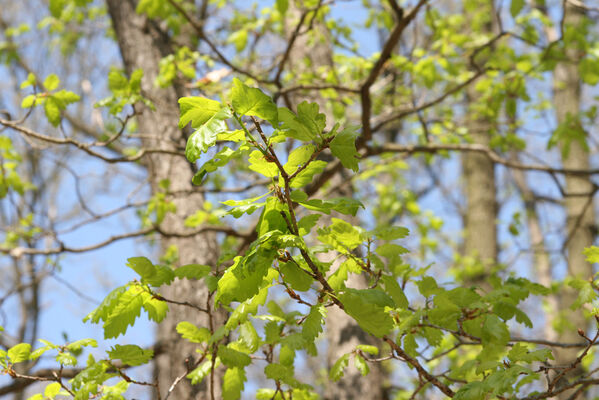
142, 45
478, 171
579, 208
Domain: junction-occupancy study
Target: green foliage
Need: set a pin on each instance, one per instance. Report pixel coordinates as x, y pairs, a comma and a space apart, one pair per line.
124, 91
425, 320
130, 354
54, 101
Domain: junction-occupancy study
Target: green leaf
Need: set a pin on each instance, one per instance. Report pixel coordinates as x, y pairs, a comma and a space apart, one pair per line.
287, 356
372, 350
395, 291
52, 390
391, 250
250, 306
343, 146
282, 6
205, 136
495, 331
127, 309
259, 164
192, 271
306, 176
78, 344
243, 279
198, 374
313, 324
65, 97
52, 110
233, 358
297, 278
249, 336
192, 333
232, 136
278, 372
30, 81
28, 101
342, 205
371, 317
308, 222
155, 308
197, 110
233, 383
271, 219
361, 365
51, 82
592, 254
107, 305
306, 125
66, 359
251, 101
390, 232
298, 157
141, 265
130, 354
19, 353
427, 286
516, 6
338, 368
239, 39
341, 234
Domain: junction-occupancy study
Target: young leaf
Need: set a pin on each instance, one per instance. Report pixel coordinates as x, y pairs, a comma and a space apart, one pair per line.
372, 350
249, 336
313, 323
197, 110
243, 279
52, 390
130, 354
338, 368
361, 365
51, 82
306, 125
233, 383
205, 135
192, 271
126, 310
343, 146
297, 278
233, 358
251, 101
192, 333
306, 176
395, 291
197, 375
371, 317
19, 353
298, 157
259, 164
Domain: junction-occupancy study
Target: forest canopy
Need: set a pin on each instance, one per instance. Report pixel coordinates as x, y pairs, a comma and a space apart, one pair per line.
298, 199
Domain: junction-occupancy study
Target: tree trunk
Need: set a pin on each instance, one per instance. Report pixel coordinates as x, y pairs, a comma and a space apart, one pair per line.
480, 231
142, 45
579, 191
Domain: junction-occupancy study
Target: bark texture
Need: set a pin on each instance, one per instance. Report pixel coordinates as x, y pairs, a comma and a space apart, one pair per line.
579, 190
480, 231
142, 44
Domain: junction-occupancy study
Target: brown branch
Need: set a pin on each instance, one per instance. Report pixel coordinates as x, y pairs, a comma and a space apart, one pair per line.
378, 67
466, 147
18, 252
419, 368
